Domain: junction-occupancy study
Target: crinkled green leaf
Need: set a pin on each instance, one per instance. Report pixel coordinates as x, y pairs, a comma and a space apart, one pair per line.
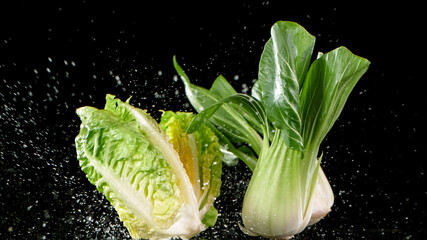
116, 159
126, 155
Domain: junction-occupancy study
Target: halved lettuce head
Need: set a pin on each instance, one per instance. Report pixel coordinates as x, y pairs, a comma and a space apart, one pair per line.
161, 181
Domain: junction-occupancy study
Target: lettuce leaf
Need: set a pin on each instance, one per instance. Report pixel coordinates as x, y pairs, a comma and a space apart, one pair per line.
129, 158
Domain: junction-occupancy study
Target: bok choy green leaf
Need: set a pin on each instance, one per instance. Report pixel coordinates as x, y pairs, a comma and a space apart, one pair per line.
294, 104
161, 181
282, 69
228, 121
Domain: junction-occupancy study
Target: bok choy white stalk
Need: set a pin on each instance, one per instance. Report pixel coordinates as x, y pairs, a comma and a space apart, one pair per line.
293, 105
161, 181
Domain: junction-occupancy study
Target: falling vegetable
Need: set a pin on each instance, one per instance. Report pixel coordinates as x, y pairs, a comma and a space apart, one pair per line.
277, 131
161, 181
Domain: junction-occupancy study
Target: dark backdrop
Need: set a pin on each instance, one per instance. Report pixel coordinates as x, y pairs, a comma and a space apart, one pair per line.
58, 56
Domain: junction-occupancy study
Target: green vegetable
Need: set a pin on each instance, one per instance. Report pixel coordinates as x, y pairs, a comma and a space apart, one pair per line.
229, 121
161, 181
293, 106
282, 70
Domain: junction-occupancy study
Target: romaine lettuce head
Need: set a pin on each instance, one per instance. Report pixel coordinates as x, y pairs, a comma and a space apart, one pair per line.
162, 182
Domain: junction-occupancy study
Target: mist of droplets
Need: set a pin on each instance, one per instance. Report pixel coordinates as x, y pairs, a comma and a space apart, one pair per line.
41, 178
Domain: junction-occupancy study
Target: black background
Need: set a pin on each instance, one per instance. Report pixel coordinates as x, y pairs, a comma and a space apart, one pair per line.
55, 57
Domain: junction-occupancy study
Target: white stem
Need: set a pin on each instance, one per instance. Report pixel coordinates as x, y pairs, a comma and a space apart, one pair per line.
323, 198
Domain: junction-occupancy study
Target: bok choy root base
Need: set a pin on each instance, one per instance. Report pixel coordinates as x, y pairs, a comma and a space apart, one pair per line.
278, 129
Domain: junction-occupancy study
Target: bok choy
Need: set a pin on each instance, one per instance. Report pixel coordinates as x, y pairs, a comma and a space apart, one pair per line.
278, 129
161, 180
